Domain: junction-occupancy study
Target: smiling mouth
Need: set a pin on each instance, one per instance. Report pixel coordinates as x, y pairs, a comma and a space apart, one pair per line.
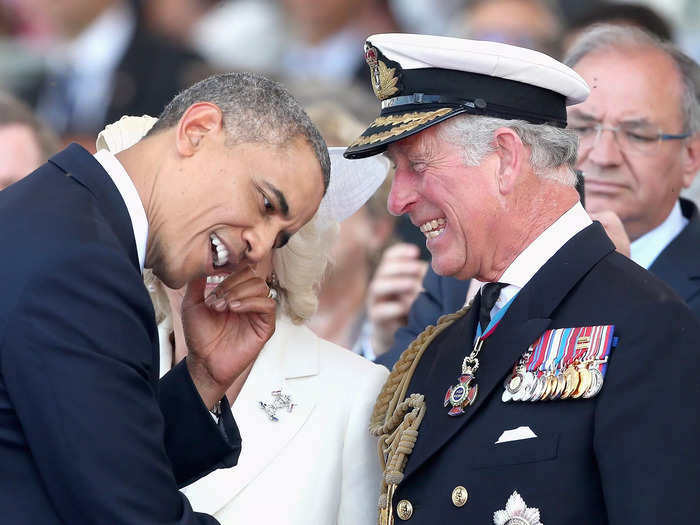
219, 251
433, 228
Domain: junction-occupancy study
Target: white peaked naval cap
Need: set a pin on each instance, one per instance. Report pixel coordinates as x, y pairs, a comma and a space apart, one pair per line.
422, 80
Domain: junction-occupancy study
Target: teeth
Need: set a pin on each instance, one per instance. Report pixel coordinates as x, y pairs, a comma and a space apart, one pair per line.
432, 225
216, 279
221, 255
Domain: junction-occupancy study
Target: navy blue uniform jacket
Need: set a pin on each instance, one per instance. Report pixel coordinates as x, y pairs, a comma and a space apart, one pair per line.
87, 432
628, 455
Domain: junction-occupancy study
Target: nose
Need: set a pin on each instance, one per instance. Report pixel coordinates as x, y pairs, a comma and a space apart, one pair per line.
259, 241
403, 193
606, 149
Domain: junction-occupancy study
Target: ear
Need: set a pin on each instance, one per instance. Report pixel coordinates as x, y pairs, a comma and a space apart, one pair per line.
511, 154
691, 159
199, 121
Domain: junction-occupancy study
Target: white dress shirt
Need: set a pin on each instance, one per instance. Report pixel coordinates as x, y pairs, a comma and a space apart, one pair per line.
532, 258
127, 190
647, 248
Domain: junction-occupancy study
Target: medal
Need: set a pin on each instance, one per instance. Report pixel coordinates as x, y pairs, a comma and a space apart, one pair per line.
463, 394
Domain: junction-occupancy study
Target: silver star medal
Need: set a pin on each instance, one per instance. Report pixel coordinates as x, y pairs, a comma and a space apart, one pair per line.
517, 513
280, 401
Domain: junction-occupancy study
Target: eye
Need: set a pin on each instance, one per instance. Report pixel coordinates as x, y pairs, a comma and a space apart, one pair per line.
639, 137
267, 204
583, 131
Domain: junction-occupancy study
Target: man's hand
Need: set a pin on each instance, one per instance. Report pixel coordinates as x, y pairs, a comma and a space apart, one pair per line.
226, 331
615, 230
394, 287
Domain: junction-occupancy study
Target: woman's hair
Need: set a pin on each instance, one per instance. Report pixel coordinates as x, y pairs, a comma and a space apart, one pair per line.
300, 266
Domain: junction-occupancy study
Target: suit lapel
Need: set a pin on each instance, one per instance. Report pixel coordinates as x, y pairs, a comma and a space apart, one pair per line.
678, 264
81, 166
526, 319
289, 361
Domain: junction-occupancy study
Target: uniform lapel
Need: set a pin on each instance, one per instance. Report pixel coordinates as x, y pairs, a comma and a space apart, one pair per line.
290, 361
526, 319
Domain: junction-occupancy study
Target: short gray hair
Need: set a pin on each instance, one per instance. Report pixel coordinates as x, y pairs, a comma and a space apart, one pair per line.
255, 109
616, 37
550, 147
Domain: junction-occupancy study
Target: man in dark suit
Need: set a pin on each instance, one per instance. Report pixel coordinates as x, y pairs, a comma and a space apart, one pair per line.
88, 434
533, 405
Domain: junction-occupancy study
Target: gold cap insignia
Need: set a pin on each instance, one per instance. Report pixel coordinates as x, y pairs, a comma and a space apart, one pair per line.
384, 78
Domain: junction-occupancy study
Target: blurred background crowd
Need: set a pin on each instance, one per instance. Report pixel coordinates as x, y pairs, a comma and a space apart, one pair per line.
81, 64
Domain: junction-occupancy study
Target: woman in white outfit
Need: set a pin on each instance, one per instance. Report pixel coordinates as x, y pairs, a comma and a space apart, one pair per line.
304, 408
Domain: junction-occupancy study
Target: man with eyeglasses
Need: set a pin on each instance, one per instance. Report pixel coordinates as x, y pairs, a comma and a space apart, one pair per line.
639, 146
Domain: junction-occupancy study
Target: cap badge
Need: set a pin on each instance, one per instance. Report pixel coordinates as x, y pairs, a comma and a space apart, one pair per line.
384, 78
517, 513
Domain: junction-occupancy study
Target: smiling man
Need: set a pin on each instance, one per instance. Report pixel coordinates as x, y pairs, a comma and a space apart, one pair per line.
532, 404
639, 147
232, 168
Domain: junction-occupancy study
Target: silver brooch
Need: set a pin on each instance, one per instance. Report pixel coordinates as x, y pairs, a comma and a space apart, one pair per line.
517, 513
280, 401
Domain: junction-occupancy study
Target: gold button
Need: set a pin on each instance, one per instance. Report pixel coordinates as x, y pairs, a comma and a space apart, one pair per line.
404, 509
459, 496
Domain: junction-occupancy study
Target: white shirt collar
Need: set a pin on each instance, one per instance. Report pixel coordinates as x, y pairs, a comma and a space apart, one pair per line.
532, 258
647, 248
127, 190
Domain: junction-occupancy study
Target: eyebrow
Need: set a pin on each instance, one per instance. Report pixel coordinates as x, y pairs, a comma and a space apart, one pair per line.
284, 207
590, 118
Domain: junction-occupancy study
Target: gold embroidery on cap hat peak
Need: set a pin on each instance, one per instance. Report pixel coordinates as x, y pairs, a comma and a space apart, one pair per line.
383, 77
408, 122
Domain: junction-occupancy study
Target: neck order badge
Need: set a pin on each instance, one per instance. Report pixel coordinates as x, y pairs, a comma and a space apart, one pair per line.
463, 393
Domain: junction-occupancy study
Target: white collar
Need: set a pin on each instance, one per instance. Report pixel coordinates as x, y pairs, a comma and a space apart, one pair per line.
127, 190
100, 46
647, 248
532, 258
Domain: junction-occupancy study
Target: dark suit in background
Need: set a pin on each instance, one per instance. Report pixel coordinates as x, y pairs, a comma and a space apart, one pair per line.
679, 263
87, 433
593, 461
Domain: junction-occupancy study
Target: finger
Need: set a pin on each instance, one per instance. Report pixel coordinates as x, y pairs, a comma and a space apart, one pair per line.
387, 311
257, 304
402, 250
240, 281
408, 267
241, 275
390, 286
250, 288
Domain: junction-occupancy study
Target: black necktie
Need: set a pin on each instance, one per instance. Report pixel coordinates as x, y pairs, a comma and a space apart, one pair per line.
489, 295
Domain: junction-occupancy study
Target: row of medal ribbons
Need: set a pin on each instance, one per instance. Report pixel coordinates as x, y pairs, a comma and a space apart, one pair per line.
564, 363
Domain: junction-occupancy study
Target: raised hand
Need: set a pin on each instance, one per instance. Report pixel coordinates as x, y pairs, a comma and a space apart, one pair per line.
226, 330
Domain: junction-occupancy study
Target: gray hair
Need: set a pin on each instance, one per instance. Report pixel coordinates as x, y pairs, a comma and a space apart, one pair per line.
616, 37
255, 109
550, 147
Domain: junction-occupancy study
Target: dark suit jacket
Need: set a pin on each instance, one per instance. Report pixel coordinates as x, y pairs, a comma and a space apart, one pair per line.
629, 455
679, 263
82, 436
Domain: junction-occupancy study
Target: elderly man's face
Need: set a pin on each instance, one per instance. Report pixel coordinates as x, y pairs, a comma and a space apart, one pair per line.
19, 152
454, 205
232, 205
641, 91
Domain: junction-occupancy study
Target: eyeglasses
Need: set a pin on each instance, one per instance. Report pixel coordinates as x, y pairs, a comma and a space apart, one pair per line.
629, 136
